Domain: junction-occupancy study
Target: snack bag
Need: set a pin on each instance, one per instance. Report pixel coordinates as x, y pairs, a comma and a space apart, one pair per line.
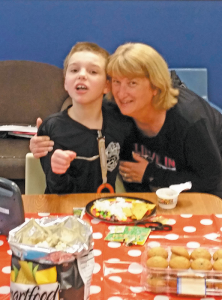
52, 258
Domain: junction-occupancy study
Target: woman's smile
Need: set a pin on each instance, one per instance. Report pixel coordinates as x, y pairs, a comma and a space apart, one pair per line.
133, 96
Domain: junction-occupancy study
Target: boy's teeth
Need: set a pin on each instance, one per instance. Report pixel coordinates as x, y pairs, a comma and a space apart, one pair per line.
81, 87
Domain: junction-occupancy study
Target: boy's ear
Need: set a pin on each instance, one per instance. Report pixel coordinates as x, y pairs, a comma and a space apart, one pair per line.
107, 88
65, 84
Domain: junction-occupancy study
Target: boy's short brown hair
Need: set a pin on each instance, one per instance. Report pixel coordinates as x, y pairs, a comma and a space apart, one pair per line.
85, 46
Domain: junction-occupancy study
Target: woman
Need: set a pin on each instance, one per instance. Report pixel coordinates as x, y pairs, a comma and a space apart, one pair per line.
177, 135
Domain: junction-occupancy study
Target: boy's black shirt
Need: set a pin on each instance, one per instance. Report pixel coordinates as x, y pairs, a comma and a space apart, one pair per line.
84, 176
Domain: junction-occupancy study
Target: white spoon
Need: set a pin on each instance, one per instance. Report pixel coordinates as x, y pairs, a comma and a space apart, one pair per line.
181, 187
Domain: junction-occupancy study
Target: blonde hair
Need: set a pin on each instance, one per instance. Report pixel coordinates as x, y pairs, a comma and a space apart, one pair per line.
85, 46
139, 60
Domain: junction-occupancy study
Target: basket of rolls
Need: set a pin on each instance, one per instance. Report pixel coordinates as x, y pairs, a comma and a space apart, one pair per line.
183, 271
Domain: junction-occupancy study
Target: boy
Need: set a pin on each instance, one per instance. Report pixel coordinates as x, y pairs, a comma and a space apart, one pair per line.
76, 130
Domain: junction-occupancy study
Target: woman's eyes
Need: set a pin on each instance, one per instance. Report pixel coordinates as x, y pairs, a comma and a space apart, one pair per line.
115, 81
132, 83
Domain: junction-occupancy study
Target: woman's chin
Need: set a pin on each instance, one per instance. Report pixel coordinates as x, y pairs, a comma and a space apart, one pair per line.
125, 110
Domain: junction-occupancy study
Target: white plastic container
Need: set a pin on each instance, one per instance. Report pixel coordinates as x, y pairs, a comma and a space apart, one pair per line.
167, 198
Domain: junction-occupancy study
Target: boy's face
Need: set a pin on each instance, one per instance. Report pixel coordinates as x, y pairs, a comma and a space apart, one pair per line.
85, 78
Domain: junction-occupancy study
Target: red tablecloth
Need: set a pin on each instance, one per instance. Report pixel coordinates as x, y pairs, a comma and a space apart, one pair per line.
117, 270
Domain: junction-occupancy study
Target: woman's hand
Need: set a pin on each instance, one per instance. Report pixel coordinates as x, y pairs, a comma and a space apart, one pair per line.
61, 160
133, 171
40, 145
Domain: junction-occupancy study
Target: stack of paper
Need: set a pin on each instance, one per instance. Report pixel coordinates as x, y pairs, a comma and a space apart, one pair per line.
18, 130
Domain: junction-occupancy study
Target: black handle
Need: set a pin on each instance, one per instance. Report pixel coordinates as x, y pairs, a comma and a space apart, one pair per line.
155, 226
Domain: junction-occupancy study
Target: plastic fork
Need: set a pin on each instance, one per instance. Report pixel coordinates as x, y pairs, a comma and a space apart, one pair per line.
88, 158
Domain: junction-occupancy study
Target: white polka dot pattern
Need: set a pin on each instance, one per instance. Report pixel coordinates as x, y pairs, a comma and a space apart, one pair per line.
193, 245
136, 289
172, 236
97, 235
43, 214
117, 270
153, 244
95, 221
113, 260
97, 252
97, 268
160, 297
4, 290
171, 222
114, 244
115, 278
186, 216
6, 270
206, 222
94, 289
134, 253
135, 268
189, 229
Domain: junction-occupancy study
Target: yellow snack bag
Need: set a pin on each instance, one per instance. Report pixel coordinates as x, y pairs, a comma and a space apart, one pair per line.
23, 278
46, 276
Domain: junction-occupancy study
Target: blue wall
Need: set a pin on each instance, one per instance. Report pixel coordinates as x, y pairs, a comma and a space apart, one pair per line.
186, 33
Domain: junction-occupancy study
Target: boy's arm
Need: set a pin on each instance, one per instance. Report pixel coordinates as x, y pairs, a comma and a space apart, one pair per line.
60, 182
40, 145
55, 183
61, 160
55, 166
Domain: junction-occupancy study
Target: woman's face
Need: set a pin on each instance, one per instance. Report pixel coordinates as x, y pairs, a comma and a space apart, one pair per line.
133, 96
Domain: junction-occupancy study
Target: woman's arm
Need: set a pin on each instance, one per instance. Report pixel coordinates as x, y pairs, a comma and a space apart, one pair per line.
40, 145
133, 171
202, 164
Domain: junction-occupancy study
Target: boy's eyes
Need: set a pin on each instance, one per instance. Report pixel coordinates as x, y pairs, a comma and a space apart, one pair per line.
75, 70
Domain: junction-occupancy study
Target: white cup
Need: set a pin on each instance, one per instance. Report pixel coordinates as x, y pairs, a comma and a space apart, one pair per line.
167, 198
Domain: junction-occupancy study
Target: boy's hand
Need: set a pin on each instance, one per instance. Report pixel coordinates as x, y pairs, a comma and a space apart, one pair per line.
40, 145
133, 171
61, 160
